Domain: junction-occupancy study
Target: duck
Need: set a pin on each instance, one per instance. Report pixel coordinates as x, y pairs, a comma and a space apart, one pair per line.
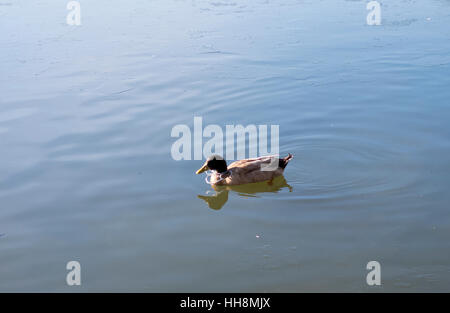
244, 171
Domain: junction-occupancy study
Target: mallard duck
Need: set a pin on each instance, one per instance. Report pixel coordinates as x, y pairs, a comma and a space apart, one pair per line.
244, 171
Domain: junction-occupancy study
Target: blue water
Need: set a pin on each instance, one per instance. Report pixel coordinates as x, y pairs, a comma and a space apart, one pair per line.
86, 172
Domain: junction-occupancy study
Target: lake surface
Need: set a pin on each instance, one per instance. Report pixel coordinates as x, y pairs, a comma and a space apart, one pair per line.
86, 114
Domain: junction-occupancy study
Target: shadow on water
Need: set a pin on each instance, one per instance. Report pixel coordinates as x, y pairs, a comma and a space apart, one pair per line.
218, 200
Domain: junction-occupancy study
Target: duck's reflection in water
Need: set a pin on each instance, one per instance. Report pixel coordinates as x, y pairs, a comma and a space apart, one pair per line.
218, 200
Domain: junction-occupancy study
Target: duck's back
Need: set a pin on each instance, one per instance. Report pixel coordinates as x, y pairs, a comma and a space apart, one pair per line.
252, 170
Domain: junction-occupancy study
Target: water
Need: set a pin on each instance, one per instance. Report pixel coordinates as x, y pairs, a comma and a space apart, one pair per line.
86, 172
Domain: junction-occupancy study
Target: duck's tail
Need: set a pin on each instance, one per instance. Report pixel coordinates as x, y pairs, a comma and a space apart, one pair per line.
284, 161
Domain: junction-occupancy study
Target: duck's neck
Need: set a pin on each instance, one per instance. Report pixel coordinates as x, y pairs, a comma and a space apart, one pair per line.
222, 169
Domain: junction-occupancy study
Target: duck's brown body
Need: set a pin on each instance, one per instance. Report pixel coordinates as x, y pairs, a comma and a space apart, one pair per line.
251, 171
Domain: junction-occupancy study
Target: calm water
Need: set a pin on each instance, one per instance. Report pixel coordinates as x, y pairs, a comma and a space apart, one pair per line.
86, 172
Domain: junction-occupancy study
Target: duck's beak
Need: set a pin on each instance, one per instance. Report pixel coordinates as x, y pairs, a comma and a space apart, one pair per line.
202, 169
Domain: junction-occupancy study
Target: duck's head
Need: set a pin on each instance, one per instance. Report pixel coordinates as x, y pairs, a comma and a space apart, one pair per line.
214, 162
